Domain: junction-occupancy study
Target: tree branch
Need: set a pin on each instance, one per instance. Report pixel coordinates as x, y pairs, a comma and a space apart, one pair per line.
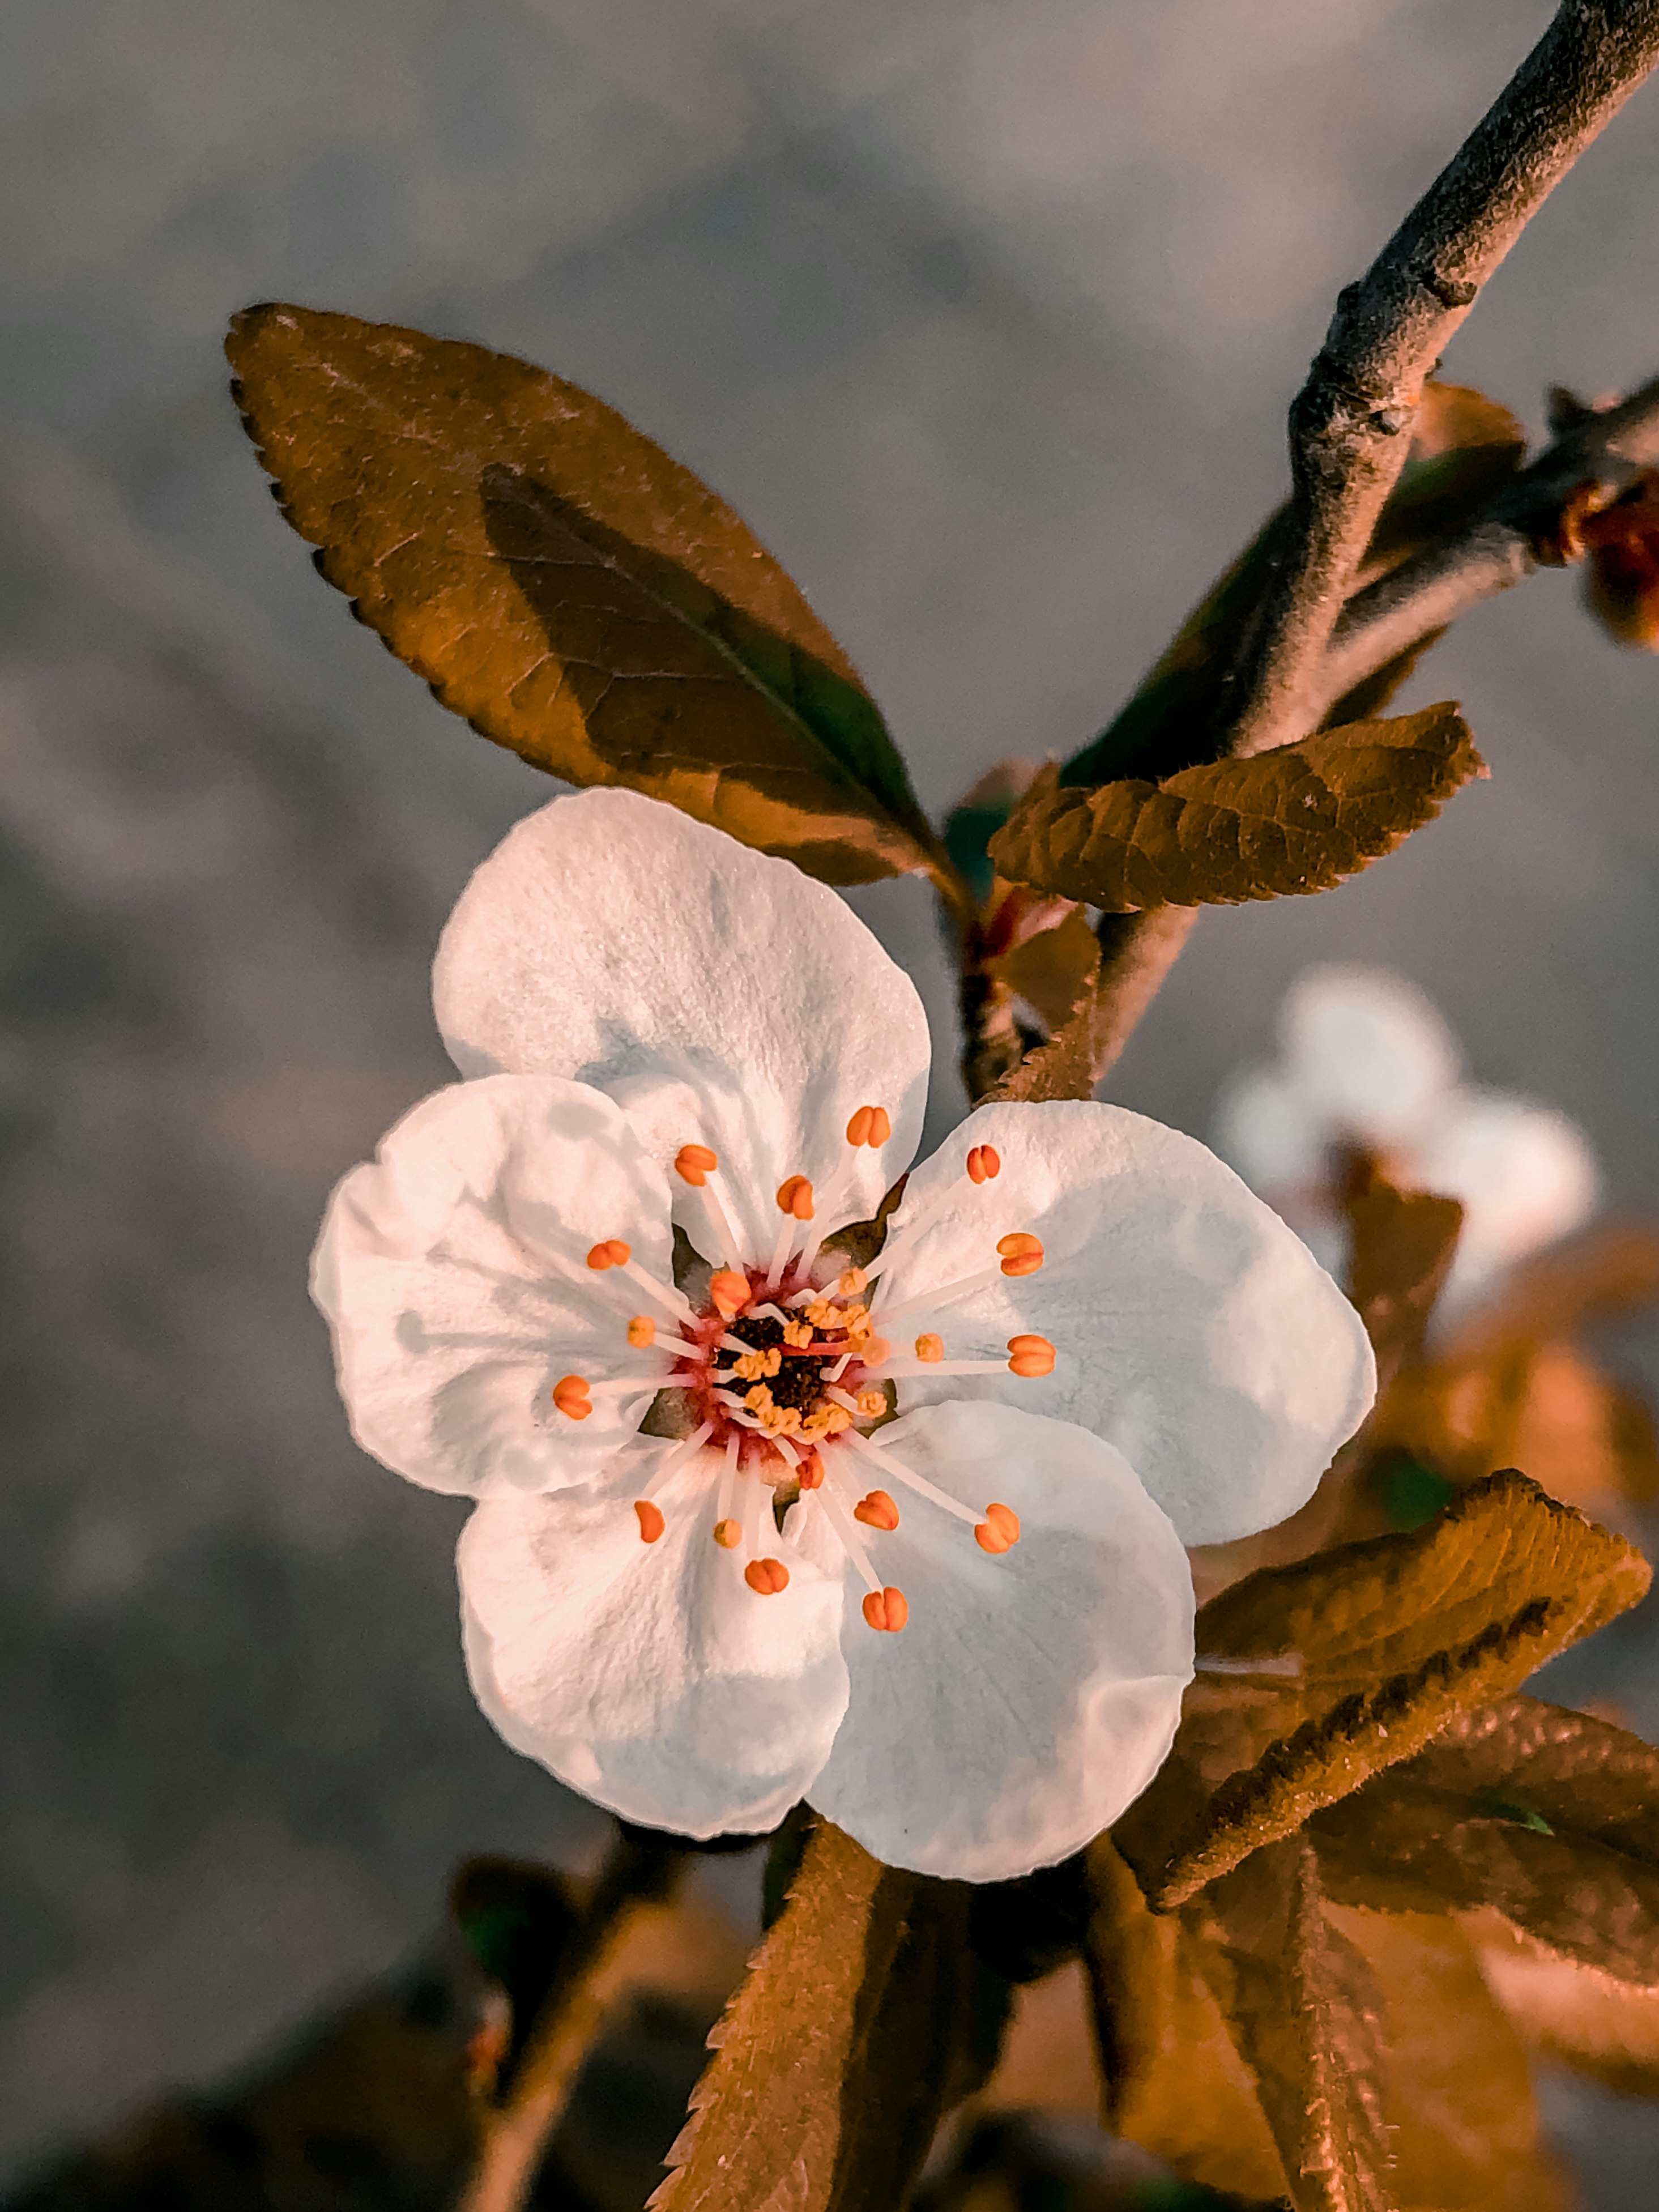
1350, 434
1599, 457
1350, 423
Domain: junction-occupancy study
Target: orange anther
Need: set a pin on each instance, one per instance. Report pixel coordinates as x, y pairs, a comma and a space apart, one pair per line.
695, 1163
869, 1125
570, 1396
795, 1196
728, 1534
641, 1331
886, 1608
811, 1475
1030, 1355
871, 1402
730, 1292
766, 1578
651, 1520
999, 1531
613, 1253
930, 1347
874, 1349
984, 1163
877, 1510
1022, 1253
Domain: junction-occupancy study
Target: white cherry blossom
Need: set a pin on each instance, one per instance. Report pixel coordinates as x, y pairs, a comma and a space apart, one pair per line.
754, 1522
1368, 1067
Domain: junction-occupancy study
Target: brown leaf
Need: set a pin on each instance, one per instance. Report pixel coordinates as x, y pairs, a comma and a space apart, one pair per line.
1546, 1817
1315, 1676
576, 594
1135, 956
1457, 2090
1445, 2066
841, 2050
1052, 968
1613, 1268
1171, 2079
1404, 1244
1302, 2006
1582, 1435
1298, 819
1048, 2060
1588, 2020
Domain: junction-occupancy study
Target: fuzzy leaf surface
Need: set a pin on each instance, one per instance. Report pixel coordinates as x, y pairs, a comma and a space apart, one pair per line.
1302, 2008
1171, 2078
572, 590
853, 2030
1443, 2061
1546, 1817
1463, 2127
1301, 818
1575, 2014
1313, 1677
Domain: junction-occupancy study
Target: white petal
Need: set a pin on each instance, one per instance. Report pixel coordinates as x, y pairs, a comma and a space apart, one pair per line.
1368, 1051
1526, 1176
1266, 1131
1032, 1696
727, 999
649, 1676
452, 1271
1192, 1329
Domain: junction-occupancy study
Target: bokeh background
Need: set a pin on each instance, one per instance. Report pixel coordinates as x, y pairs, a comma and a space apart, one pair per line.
985, 313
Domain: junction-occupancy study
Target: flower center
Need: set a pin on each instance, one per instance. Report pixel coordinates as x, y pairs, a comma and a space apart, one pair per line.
788, 1382
787, 1376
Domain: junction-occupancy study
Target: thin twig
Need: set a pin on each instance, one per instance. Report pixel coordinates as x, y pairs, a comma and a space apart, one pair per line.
1602, 455
1137, 952
1350, 423
636, 1880
1350, 434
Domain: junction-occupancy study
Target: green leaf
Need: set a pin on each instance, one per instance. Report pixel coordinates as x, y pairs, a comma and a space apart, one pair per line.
575, 594
1410, 1492
1300, 819
1313, 1677
522, 1925
864, 2015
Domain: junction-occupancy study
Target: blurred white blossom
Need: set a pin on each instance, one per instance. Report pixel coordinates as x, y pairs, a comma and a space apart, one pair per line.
1369, 1071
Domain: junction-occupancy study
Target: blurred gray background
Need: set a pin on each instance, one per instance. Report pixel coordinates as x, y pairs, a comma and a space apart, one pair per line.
985, 313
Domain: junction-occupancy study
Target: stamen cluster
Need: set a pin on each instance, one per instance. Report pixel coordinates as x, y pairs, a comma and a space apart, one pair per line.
785, 1377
